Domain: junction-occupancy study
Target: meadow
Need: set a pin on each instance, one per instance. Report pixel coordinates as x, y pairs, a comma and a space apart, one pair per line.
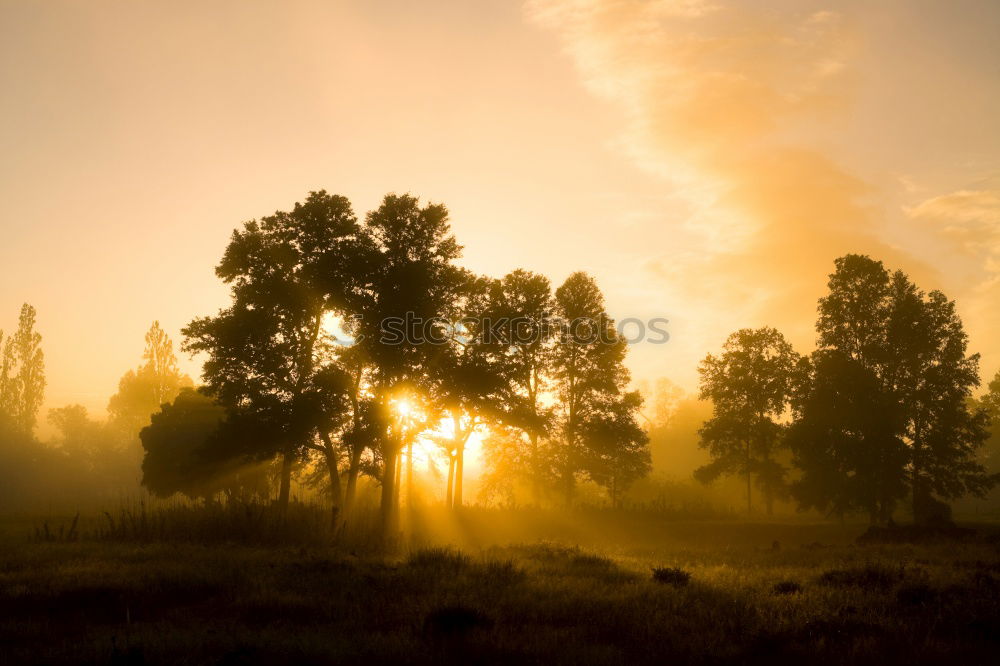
489, 586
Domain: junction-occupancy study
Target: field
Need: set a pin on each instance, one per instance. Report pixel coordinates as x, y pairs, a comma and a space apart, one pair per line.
722, 592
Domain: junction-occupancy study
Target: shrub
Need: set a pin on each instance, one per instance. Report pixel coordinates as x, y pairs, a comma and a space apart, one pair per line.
786, 587
454, 621
671, 576
868, 577
439, 559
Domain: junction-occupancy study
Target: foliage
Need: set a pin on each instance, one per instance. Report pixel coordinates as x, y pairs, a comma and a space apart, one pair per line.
595, 416
886, 408
22, 373
750, 385
142, 391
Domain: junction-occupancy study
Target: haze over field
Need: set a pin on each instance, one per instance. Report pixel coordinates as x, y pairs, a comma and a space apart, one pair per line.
705, 161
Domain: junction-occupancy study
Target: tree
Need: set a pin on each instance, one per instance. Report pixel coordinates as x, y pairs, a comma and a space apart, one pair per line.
990, 404
906, 351
406, 295
82, 438
616, 445
844, 439
470, 377
22, 373
195, 447
521, 332
267, 357
749, 385
944, 435
589, 378
142, 391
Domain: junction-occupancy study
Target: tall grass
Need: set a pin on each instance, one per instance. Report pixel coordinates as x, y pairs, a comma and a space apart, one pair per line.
249, 523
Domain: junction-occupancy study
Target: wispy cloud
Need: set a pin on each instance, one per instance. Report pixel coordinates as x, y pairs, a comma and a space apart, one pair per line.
723, 99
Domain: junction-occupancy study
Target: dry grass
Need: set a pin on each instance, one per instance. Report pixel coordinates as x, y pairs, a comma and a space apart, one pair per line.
819, 597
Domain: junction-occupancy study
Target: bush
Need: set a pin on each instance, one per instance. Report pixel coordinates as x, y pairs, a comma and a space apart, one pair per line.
671, 576
438, 559
455, 621
869, 577
786, 587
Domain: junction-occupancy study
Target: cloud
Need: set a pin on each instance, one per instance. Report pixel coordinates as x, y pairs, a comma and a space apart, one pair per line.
725, 101
966, 223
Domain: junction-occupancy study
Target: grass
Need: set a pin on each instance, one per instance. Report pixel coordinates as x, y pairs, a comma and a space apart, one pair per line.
106, 599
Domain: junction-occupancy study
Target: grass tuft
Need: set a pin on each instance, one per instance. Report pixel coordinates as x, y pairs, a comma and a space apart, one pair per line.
444, 560
869, 577
786, 587
671, 576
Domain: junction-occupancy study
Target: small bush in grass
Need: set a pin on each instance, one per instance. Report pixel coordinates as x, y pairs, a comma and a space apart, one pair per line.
502, 572
786, 587
916, 594
455, 621
671, 576
440, 559
870, 577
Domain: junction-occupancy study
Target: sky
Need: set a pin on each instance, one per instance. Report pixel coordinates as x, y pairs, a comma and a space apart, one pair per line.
706, 160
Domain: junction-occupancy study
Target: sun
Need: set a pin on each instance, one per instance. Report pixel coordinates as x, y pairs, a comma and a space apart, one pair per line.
403, 408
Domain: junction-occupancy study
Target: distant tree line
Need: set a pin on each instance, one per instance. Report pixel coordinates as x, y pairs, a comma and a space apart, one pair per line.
87, 460
881, 411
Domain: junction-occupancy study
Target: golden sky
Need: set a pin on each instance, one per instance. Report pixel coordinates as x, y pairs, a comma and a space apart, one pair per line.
706, 161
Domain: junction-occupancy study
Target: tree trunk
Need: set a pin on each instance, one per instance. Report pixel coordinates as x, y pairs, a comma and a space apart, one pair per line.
449, 499
769, 501
352, 482
284, 490
399, 480
536, 484
387, 508
409, 475
916, 488
330, 452
749, 503
459, 465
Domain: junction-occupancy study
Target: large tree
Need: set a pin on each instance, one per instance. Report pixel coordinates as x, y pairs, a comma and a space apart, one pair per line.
750, 386
617, 447
589, 379
844, 439
468, 378
990, 404
907, 351
521, 334
267, 357
406, 294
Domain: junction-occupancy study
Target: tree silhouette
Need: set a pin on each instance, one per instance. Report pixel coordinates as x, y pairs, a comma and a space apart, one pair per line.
844, 439
522, 303
195, 447
589, 378
468, 379
749, 385
22, 373
267, 356
407, 290
616, 446
889, 405
990, 404
142, 391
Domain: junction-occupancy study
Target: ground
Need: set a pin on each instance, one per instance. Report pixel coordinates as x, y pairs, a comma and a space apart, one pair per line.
756, 593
